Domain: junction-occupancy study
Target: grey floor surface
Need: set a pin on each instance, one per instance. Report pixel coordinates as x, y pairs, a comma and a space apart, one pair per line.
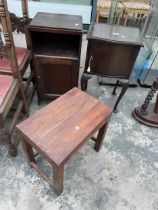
122, 176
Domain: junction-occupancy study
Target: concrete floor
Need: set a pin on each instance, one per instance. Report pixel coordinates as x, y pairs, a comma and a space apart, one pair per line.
122, 176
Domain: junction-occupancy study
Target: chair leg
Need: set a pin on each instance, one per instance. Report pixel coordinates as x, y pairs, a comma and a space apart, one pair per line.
4, 133
118, 19
12, 147
24, 99
126, 18
100, 137
84, 80
33, 80
58, 179
125, 85
97, 17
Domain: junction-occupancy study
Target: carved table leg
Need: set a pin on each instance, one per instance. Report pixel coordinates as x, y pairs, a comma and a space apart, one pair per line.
125, 85
114, 90
100, 138
58, 179
84, 80
148, 113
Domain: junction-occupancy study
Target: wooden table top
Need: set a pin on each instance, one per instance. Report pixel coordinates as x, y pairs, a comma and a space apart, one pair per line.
63, 126
116, 34
57, 22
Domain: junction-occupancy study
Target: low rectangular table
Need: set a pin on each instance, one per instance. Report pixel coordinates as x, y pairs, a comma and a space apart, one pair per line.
61, 128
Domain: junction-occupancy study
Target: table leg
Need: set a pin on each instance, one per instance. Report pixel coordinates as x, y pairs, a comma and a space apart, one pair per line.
58, 179
100, 137
28, 150
114, 90
84, 80
125, 85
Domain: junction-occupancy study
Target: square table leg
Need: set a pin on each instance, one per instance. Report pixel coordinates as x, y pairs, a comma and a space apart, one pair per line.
58, 179
28, 150
100, 137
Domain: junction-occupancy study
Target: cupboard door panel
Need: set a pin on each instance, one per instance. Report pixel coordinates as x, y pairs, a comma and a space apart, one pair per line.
56, 76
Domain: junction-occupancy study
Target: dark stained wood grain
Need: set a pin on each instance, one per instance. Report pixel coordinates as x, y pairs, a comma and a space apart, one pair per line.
65, 124
116, 34
14, 73
58, 130
111, 52
56, 44
43, 21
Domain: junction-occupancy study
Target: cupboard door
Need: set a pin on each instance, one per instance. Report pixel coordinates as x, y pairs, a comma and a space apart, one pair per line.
55, 76
112, 59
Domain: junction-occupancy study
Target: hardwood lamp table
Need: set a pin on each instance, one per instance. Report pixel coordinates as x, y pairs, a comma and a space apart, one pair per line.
61, 128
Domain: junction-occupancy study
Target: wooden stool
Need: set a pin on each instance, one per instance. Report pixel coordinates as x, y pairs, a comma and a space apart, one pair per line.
58, 130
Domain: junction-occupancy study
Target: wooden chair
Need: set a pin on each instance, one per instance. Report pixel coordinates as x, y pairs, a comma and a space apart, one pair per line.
11, 86
135, 9
103, 9
23, 55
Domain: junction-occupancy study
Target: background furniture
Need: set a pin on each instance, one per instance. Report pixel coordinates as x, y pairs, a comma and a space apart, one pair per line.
148, 113
86, 9
111, 52
56, 45
64, 126
23, 55
11, 86
135, 9
103, 9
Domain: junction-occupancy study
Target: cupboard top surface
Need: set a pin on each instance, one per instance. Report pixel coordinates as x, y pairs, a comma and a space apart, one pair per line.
57, 21
113, 33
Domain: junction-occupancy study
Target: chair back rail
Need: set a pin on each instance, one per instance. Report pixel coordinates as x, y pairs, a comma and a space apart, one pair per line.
9, 45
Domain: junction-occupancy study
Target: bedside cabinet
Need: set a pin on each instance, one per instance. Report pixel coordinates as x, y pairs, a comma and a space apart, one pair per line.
112, 51
55, 40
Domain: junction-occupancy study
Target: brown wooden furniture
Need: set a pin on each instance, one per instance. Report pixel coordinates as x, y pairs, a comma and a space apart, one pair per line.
56, 45
11, 86
23, 55
148, 113
111, 52
61, 128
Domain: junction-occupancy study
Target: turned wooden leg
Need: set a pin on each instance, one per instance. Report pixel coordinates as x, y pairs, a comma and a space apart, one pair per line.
125, 85
84, 80
100, 138
156, 106
147, 113
28, 151
114, 90
58, 179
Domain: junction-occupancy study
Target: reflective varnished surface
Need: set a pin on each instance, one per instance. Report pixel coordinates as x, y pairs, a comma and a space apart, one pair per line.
112, 33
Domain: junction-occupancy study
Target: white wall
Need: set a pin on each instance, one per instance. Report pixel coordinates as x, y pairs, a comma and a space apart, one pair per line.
34, 7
